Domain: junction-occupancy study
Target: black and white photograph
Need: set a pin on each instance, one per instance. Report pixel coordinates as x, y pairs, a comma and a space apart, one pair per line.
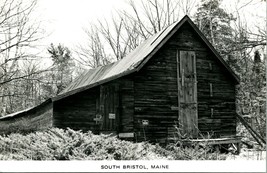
133, 85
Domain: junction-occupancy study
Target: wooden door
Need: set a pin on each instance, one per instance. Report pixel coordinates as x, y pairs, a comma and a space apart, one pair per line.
109, 108
187, 93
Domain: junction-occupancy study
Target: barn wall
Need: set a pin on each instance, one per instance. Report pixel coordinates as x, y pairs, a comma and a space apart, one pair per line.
77, 111
126, 104
217, 109
210, 74
155, 90
125, 109
38, 118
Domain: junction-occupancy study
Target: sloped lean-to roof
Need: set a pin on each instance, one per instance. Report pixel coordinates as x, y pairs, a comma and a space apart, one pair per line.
134, 61
25, 111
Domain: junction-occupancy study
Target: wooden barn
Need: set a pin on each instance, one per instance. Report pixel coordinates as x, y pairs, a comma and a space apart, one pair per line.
173, 83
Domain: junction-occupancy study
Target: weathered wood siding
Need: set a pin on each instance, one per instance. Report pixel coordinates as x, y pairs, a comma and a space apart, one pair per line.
155, 90
187, 93
77, 111
108, 108
38, 118
215, 87
216, 98
126, 104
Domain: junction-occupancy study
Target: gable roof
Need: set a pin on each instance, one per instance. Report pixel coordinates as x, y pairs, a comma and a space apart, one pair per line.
135, 60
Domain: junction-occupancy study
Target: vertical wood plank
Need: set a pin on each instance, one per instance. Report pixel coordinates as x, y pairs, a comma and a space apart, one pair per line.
109, 101
194, 83
117, 107
210, 66
187, 88
102, 104
178, 82
105, 108
211, 90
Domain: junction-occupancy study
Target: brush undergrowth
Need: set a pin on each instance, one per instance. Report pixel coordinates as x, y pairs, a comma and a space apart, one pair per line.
59, 144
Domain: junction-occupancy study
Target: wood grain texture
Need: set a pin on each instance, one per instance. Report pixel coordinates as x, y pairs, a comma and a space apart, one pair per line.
187, 92
77, 111
156, 90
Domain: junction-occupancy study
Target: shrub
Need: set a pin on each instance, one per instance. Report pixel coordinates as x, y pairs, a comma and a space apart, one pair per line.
59, 144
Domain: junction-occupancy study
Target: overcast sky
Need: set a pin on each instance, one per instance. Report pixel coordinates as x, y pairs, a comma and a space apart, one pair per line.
64, 19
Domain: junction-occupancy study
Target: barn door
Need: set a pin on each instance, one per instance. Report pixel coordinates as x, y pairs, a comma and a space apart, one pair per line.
187, 93
109, 106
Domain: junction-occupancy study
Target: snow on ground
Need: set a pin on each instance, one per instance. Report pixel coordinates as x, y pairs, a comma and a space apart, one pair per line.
248, 154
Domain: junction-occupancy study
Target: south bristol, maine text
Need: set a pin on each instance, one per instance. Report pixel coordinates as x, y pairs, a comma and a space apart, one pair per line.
134, 166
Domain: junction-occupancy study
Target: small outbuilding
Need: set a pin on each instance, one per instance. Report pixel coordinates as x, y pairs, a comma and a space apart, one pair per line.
175, 84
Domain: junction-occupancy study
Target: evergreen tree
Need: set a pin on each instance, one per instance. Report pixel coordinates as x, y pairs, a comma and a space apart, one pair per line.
63, 66
235, 45
215, 22
258, 102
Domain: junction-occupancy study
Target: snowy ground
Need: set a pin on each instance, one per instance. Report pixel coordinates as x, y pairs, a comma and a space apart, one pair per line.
248, 154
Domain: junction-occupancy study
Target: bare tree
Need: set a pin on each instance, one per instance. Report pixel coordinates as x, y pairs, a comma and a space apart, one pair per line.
187, 6
18, 33
93, 54
111, 41
152, 16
